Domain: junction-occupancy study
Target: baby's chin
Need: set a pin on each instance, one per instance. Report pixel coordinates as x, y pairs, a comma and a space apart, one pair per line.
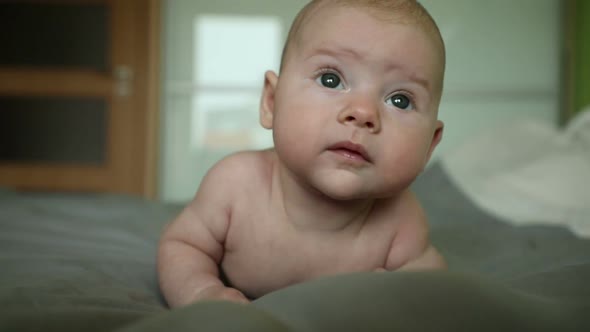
345, 188
356, 196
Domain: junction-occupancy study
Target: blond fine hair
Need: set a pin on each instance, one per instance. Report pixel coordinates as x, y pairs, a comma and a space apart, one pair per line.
401, 11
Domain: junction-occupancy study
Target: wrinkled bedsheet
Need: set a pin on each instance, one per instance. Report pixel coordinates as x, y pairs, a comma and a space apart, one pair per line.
86, 262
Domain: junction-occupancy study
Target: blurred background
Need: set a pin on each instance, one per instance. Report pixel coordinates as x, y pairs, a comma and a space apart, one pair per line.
143, 96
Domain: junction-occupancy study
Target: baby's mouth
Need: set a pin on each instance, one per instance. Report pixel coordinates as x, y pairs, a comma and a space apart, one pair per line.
350, 151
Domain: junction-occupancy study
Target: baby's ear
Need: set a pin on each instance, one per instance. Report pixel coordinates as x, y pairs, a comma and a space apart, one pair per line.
436, 138
267, 101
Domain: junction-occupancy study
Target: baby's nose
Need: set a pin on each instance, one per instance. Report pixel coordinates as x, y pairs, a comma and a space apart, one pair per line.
364, 115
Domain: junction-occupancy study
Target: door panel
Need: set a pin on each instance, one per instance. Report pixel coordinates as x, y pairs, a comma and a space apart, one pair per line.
73, 130
54, 35
73, 117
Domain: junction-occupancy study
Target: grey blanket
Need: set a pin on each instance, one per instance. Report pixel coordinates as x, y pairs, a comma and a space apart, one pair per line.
87, 262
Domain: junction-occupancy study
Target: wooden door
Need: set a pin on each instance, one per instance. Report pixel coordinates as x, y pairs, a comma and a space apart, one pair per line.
78, 95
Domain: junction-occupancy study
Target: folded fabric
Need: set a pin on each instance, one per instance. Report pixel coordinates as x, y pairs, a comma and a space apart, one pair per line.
528, 172
431, 301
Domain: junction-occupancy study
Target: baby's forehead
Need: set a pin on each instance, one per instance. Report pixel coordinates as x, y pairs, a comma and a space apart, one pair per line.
310, 36
410, 13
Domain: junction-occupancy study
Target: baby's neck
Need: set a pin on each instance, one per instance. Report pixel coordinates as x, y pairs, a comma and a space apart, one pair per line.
307, 209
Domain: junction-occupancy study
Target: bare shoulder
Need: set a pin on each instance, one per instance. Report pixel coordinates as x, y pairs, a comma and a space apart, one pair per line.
411, 242
233, 178
406, 214
412, 215
239, 165
211, 207
239, 169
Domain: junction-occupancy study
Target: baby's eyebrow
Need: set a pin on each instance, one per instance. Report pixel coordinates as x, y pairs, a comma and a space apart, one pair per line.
420, 81
338, 51
412, 76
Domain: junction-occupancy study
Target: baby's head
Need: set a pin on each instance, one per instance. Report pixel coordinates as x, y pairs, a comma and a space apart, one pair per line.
354, 111
399, 11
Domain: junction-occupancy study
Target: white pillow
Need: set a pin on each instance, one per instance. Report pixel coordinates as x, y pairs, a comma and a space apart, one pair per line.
529, 172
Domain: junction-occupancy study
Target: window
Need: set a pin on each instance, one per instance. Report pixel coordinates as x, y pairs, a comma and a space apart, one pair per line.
232, 53
214, 78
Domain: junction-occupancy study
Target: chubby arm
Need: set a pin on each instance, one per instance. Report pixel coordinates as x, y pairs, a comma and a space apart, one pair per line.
411, 249
191, 246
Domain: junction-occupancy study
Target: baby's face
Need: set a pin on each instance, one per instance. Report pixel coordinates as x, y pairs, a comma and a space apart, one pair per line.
356, 104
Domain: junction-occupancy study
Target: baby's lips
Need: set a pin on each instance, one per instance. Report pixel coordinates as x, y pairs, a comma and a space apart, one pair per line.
353, 147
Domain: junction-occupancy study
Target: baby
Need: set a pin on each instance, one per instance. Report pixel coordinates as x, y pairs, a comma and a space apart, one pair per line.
354, 119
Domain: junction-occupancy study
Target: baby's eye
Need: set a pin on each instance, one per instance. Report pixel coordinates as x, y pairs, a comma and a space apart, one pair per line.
330, 80
400, 101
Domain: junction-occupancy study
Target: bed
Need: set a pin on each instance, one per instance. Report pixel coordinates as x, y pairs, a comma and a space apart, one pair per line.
86, 262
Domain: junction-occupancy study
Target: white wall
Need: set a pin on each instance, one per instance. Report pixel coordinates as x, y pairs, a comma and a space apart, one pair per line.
502, 64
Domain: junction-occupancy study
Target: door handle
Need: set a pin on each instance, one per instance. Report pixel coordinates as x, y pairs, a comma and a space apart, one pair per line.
123, 80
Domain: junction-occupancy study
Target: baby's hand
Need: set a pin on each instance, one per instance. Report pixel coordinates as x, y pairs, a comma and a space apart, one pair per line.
222, 293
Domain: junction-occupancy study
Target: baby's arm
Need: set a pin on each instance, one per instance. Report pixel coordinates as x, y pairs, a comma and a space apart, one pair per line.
191, 247
411, 248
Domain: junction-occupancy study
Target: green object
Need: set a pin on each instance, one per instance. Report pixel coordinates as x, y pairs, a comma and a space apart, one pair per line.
581, 97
